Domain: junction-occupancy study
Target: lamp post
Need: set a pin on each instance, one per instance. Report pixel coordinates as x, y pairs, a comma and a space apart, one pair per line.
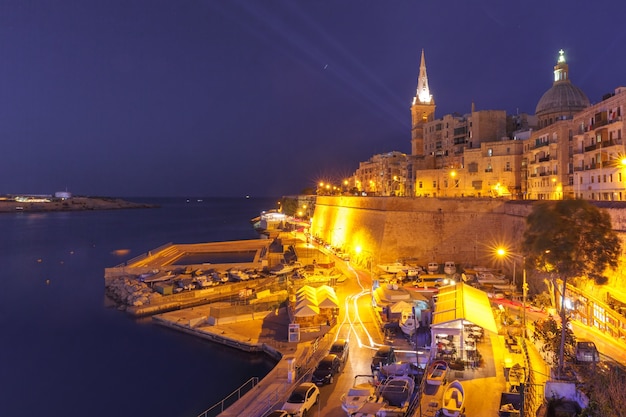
502, 253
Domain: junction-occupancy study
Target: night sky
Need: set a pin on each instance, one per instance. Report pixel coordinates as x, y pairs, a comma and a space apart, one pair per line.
265, 97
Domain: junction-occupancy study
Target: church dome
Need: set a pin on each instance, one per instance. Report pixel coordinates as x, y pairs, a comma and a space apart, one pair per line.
562, 97
563, 100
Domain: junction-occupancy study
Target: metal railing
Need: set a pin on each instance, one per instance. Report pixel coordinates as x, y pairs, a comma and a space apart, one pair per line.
230, 398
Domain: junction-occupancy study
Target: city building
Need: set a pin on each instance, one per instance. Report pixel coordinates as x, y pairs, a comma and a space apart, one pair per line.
568, 149
383, 175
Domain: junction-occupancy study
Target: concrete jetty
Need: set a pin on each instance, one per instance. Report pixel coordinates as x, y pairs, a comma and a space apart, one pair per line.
266, 333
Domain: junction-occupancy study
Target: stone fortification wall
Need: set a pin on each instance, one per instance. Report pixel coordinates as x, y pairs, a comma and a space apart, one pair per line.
463, 230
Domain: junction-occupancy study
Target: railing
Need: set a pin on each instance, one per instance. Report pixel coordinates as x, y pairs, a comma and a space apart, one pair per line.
144, 255
221, 406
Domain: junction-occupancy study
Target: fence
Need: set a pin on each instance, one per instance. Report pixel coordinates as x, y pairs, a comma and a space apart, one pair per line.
230, 399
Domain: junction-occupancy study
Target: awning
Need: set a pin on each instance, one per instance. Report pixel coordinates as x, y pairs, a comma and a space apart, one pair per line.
463, 302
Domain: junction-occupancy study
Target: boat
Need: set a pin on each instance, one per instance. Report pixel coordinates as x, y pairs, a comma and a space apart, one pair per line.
395, 394
412, 271
282, 268
486, 278
237, 275
408, 324
397, 369
433, 268
393, 267
362, 391
449, 268
453, 399
437, 373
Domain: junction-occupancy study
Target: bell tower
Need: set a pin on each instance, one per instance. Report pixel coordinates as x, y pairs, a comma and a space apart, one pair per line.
422, 110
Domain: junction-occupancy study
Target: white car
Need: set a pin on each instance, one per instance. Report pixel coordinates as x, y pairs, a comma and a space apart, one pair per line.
302, 399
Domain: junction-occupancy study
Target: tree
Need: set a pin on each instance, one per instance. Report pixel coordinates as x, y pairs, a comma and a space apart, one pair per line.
567, 239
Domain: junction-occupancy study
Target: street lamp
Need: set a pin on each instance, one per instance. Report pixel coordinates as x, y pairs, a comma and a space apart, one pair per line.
503, 253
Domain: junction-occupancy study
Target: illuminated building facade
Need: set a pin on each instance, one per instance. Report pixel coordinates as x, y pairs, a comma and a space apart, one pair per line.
383, 175
598, 164
568, 149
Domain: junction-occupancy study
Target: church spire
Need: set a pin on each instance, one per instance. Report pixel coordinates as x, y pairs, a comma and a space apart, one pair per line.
422, 110
423, 95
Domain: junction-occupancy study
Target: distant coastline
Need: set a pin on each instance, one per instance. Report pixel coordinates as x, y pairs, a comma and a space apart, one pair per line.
71, 204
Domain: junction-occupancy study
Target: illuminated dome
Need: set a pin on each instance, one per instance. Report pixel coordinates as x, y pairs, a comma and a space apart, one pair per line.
562, 100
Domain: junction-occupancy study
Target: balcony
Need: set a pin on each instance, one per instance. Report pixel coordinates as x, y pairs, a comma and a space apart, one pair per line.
544, 159
540, 145
591, 148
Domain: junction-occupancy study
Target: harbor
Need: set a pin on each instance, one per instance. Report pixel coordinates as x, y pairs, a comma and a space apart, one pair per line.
267, 327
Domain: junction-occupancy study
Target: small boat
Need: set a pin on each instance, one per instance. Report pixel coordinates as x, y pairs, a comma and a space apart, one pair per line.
449, 268
220, 278
485, 278
412, 271
408, 324
433, 268
393, 267
361, 392
237, 275
437, 373
453, 399
396, 395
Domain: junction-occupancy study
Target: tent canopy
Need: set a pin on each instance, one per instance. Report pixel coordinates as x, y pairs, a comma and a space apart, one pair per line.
463, 302
307, 311
399, 306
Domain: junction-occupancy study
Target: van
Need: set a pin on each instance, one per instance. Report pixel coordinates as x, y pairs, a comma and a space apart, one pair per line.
431, 281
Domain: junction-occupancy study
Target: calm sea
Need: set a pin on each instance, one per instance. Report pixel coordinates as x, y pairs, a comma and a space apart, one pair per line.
65, 353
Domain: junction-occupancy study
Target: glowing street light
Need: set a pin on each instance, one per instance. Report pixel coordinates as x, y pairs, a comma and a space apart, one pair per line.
501, 252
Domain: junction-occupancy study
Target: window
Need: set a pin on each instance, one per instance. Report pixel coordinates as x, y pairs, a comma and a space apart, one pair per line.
619, 176
604, 178
419, 184
489, 152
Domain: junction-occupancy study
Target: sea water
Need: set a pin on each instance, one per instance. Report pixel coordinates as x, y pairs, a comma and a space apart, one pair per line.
65, 351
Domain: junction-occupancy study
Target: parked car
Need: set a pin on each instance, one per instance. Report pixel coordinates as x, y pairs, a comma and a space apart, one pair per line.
586, 352
341, 349
385, 355
326, 370
302, 399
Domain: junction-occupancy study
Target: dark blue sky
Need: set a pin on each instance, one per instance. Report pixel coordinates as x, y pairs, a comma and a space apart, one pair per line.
263, 98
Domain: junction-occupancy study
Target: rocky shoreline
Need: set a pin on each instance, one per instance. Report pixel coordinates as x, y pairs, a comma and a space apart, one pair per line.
71, 204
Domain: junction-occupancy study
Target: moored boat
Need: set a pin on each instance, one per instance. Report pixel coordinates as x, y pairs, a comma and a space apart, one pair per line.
433, 268
361, 392
395, 395
408, 324
393, 267
453, 399
437, 373
449, 268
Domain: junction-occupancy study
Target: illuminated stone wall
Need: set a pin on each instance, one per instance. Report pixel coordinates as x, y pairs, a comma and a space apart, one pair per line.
463, 230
